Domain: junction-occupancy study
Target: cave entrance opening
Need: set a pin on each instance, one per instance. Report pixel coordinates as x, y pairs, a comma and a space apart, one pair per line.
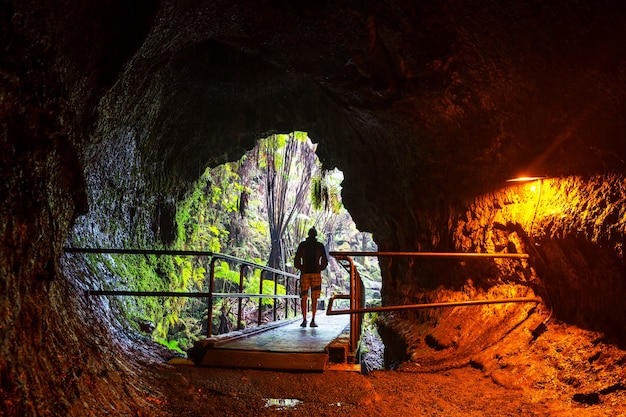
259, 208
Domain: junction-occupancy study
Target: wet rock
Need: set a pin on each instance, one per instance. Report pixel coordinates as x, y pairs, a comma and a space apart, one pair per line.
589, 399
146, 326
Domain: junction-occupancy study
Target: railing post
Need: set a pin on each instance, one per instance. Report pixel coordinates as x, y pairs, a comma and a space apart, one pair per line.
275, 293
286, 299
355, 301
296, 291
260, 298
209, 325
242, 272
354, 319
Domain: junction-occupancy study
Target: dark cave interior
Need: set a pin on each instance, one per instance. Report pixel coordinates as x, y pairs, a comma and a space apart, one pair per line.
108, 109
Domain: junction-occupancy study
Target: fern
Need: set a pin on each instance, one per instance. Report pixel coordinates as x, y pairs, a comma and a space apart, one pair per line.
170, 344
253, 283
223, 271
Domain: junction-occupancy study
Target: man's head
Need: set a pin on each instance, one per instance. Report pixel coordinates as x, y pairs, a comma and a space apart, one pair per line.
312, 232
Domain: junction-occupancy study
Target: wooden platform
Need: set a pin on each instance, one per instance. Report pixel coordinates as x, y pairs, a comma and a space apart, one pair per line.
282, 346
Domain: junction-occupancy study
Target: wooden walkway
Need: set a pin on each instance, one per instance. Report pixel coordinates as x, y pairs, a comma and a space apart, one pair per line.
280, 346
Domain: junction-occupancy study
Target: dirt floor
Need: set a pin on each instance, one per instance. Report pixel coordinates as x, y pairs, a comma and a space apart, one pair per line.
195, 391
411, 390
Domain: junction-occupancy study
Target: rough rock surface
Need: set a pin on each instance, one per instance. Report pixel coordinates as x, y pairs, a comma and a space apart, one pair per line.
109, 110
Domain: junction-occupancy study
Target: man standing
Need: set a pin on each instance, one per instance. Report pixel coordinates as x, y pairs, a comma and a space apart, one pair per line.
311, 260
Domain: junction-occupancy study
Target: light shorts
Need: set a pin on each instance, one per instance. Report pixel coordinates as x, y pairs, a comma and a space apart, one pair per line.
312, 281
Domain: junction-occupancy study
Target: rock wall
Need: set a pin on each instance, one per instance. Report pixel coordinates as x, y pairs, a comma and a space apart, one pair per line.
59, 355
569, 226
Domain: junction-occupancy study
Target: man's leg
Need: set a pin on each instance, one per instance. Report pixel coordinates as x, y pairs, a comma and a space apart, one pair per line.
305, 285
313, 310
303, 306
316, 288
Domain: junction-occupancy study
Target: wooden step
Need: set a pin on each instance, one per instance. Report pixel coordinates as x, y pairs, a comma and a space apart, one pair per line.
287, 347
292, 361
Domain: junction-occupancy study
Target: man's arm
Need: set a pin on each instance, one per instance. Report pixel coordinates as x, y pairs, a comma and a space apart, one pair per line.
323, 257
297, 260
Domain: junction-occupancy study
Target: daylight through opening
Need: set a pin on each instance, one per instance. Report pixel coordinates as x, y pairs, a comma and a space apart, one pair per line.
259, 208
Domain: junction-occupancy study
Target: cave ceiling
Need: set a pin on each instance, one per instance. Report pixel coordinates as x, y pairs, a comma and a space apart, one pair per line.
415, 102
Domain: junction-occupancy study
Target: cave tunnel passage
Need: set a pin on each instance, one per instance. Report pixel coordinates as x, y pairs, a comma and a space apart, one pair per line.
427, 107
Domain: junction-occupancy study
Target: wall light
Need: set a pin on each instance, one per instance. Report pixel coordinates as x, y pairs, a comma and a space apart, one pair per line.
526, 179
539, 180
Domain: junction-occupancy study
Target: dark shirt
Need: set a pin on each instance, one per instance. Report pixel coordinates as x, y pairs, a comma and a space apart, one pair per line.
311, 257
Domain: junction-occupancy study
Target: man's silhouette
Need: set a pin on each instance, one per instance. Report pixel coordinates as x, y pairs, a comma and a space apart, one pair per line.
311, 260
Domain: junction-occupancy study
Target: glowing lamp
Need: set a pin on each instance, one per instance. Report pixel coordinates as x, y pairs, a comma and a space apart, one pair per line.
526, 179
533, 188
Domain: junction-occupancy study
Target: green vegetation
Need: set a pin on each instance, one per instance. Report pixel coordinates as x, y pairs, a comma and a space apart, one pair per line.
258, 209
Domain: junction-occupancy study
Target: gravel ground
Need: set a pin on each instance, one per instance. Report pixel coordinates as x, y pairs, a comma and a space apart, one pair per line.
456, 392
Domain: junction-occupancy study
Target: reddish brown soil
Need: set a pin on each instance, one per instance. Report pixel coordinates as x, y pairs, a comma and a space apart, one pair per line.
194, 391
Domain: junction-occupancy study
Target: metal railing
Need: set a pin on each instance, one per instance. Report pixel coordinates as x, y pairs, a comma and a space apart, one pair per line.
356, 297
291, 290
357, 300
240, 295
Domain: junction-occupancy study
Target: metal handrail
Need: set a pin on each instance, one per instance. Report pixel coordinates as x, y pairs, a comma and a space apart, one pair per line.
139, 251
332, 312
355, 298
194, 294
211, 294
356, 309
436, 254
243, 264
